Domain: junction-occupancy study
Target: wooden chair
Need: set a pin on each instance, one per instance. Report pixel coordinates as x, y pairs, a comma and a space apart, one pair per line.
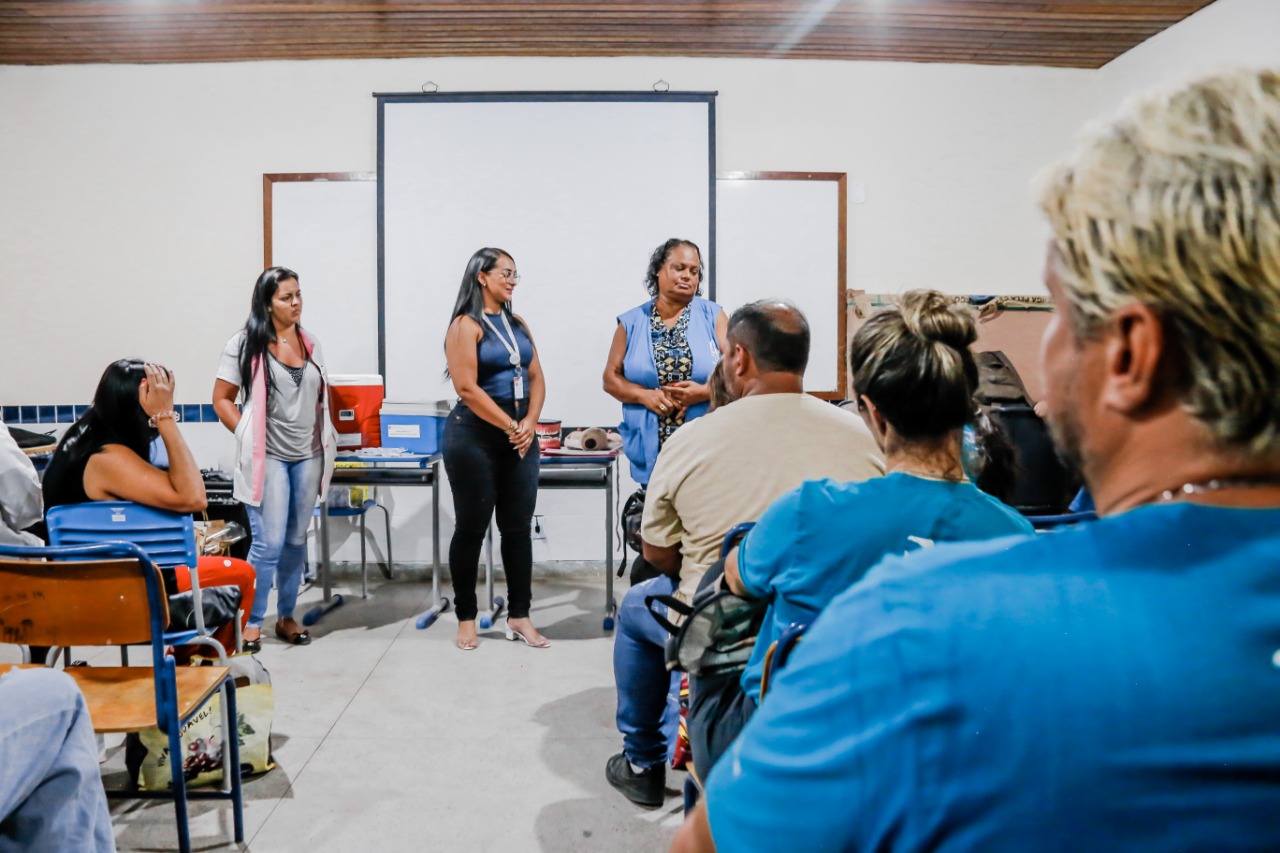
111, 595
168, 538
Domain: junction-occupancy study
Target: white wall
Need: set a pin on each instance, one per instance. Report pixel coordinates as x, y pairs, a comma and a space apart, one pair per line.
132, 195
1228, 32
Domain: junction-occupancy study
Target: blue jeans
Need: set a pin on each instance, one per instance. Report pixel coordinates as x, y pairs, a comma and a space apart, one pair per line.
648, 695
51, 796
279, 527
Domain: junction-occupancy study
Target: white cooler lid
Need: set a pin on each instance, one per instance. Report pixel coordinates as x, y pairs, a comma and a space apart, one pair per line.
425, 408
355, 379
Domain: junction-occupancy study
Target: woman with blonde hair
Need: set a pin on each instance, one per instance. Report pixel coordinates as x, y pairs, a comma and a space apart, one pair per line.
914, 378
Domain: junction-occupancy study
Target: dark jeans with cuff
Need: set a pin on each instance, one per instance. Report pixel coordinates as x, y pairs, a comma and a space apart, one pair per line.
487, 474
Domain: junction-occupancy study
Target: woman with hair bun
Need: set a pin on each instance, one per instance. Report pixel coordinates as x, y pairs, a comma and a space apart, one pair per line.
915, 379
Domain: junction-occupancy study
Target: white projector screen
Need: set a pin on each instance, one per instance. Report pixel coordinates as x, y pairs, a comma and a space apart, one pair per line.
578, 188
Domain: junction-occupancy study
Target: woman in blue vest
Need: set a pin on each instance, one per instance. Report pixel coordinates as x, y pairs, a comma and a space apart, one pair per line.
663, 353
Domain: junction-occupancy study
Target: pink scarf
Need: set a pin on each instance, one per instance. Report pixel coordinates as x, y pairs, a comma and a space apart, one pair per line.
259, 396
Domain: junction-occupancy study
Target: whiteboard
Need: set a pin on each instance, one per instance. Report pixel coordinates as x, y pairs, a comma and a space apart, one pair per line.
324, 227
782, 234
579, 189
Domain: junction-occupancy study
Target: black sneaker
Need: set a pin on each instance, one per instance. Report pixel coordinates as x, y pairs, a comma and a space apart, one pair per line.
643, 789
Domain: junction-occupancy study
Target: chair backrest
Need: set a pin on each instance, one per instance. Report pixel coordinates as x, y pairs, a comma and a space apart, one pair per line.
168, 538
1044, 485
101, 595
776, 658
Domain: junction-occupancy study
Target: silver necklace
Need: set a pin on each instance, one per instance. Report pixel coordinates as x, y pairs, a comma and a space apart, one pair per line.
1215, 485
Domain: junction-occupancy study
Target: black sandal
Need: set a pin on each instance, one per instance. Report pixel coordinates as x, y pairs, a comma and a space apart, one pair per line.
301, 638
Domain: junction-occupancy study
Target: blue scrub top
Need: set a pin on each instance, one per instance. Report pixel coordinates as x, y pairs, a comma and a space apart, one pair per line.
815, 542
1112, 686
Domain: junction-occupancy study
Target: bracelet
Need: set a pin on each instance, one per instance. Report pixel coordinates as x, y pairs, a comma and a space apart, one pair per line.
159, 416
511, 430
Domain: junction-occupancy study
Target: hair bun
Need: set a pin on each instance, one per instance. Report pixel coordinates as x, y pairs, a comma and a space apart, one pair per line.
932, 316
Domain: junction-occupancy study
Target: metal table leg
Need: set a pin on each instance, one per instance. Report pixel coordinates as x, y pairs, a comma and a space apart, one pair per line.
496, 602
610, 603
331, 601
439, 604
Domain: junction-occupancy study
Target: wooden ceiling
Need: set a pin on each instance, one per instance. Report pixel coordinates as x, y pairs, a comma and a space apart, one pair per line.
1068, 33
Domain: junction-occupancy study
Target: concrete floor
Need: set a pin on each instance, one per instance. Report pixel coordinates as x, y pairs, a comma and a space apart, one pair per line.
388, 738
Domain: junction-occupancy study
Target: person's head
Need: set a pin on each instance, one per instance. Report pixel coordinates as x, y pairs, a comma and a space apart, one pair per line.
489, 271
1165, 263
717, 388
116, 416
276, 303
277, 299
675, 271
769, 336
912, 369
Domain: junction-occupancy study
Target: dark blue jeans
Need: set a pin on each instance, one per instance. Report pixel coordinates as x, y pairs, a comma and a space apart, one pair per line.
648, 695
486, 474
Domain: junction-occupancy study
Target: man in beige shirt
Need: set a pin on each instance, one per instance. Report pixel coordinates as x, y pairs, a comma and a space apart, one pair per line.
724, 468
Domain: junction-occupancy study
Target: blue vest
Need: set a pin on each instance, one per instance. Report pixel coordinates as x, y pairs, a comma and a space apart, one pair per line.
639, 427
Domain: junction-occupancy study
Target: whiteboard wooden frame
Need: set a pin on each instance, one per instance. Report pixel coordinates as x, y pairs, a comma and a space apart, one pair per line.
340, 291
838, 296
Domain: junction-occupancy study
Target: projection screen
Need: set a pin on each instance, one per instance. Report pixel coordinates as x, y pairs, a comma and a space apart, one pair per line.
578, 187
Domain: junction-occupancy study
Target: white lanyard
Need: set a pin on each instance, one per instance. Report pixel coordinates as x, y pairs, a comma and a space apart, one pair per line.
517, 384
511, 346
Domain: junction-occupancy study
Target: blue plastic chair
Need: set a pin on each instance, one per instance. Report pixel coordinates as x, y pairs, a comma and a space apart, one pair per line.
360, 512
167, 538
94, 595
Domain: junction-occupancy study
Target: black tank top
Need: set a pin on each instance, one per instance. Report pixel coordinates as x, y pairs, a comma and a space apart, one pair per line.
64, 479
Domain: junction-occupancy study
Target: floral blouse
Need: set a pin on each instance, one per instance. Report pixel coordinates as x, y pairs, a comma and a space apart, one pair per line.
674, 361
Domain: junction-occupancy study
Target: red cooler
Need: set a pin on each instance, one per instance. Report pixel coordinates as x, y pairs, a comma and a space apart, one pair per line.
355, 401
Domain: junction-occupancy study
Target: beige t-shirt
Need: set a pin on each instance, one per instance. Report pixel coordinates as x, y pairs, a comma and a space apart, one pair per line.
728, 466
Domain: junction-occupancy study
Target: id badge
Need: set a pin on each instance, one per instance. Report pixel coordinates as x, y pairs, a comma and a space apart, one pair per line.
519, 386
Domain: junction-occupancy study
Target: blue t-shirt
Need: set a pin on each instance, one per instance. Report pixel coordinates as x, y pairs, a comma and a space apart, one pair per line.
815, 542
1112, 686
495, 374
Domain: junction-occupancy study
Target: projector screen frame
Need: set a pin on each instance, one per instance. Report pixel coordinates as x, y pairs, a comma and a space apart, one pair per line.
385, 98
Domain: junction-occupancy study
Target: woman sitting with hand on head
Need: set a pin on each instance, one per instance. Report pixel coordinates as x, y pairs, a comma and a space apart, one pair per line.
662, 354
915, 379
105, 456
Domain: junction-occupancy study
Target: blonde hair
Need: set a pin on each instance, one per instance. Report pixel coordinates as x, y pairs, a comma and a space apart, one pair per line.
1175, 204
913, 362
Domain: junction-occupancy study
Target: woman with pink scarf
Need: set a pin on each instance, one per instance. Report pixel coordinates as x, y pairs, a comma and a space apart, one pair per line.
285, 442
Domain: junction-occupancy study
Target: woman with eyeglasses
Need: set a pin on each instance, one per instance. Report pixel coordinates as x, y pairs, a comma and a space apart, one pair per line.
285, 442
489, 451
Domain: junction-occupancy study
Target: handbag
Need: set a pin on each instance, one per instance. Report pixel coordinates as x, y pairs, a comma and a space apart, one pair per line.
220, 604
632, 516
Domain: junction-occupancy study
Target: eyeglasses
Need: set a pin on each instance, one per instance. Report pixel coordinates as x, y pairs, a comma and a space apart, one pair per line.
513, 277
